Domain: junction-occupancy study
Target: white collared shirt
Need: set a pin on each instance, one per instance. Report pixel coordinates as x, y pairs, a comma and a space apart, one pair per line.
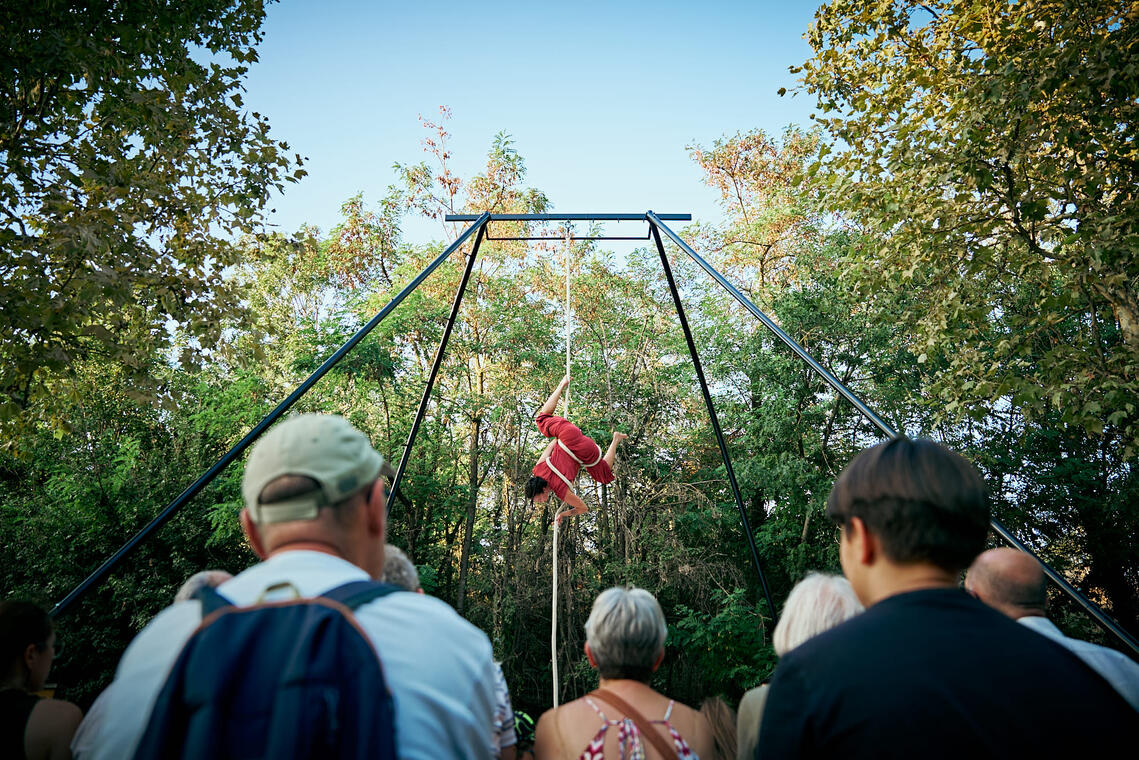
1117, 669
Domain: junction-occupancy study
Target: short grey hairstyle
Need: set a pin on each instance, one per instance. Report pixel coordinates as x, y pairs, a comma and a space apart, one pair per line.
399, 570
818, 603
626, 632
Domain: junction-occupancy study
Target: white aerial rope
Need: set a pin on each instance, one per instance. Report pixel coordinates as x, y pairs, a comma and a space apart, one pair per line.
569, 244
554, 617
565, 414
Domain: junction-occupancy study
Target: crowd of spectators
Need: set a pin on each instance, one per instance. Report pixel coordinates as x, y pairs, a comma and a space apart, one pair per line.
895, 658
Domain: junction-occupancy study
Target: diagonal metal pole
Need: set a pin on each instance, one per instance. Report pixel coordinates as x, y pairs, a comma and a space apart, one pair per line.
1101, 617
435, 365
94, 578
715, 419
774, 328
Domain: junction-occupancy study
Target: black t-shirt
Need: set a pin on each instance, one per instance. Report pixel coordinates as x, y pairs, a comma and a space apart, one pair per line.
935, 673
16, 707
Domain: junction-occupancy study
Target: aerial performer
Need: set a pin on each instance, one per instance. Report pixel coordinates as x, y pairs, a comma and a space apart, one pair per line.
568, 452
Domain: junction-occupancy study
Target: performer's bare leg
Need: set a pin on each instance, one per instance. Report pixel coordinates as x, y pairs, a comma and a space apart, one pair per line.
611, 454
552, 402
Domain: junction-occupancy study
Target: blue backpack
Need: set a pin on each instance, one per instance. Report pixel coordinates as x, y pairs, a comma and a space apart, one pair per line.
292, 679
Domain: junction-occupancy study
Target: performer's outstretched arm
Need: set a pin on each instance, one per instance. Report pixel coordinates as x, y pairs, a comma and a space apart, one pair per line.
611, 454
552, 402
573, 500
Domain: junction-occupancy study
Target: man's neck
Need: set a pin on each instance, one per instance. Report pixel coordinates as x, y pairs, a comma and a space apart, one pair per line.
308, 546
893, 579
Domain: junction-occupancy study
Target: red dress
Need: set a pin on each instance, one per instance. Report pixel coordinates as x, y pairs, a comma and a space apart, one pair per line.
582, 452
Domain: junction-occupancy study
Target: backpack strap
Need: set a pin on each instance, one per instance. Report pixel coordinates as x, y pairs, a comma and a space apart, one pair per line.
211, 600
356, 593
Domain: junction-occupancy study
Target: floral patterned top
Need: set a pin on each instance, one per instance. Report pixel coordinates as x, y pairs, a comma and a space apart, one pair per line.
629, 738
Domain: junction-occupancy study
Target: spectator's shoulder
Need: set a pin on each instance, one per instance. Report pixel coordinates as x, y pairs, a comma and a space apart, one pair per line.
1113, 659
751, 703
429, 611
51, 727
162, 638
56, 712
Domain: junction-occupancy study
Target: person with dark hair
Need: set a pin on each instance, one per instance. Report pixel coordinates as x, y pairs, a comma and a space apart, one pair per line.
567, 453
31, 727
927, 670
1013, 582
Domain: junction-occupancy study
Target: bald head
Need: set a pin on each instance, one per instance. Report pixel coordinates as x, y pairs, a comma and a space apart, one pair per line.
1009, 580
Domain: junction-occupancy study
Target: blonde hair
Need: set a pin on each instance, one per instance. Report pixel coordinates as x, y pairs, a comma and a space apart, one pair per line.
818, 603
722, 723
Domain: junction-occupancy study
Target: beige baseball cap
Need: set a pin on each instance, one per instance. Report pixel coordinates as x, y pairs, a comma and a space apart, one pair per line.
324, 447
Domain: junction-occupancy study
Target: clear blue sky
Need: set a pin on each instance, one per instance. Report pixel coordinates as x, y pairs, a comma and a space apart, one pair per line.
600, 98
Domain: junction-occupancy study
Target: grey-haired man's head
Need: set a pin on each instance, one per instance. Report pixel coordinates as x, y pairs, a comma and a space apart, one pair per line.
315, 482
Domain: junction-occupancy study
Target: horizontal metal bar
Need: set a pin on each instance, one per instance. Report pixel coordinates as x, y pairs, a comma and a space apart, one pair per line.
574, 237
567, 217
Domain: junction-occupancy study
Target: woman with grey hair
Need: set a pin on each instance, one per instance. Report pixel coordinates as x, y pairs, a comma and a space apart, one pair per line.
399, 570
625, 717
816, 604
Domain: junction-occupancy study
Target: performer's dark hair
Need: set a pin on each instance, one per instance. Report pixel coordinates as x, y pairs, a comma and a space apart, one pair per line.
535, 486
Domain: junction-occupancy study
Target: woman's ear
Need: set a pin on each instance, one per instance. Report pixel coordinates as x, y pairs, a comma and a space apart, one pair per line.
589, 656
659, 660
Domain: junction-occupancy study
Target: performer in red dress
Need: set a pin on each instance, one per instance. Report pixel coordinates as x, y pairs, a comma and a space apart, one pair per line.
569, 451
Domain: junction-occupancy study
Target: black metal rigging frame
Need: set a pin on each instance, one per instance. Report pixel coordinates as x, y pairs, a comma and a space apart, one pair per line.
478, 226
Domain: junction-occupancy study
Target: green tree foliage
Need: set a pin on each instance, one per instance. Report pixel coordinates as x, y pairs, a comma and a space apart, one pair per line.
991, 148
68, 503
768, 219
792, 434
128, 163
668, 522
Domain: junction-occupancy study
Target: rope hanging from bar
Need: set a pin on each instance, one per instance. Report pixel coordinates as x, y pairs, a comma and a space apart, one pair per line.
554, 550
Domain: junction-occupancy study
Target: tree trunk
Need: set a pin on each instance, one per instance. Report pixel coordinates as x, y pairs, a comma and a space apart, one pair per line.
472, 502
1125, 304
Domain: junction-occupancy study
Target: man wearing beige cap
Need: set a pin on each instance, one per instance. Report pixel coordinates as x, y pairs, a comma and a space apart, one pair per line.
315, 513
